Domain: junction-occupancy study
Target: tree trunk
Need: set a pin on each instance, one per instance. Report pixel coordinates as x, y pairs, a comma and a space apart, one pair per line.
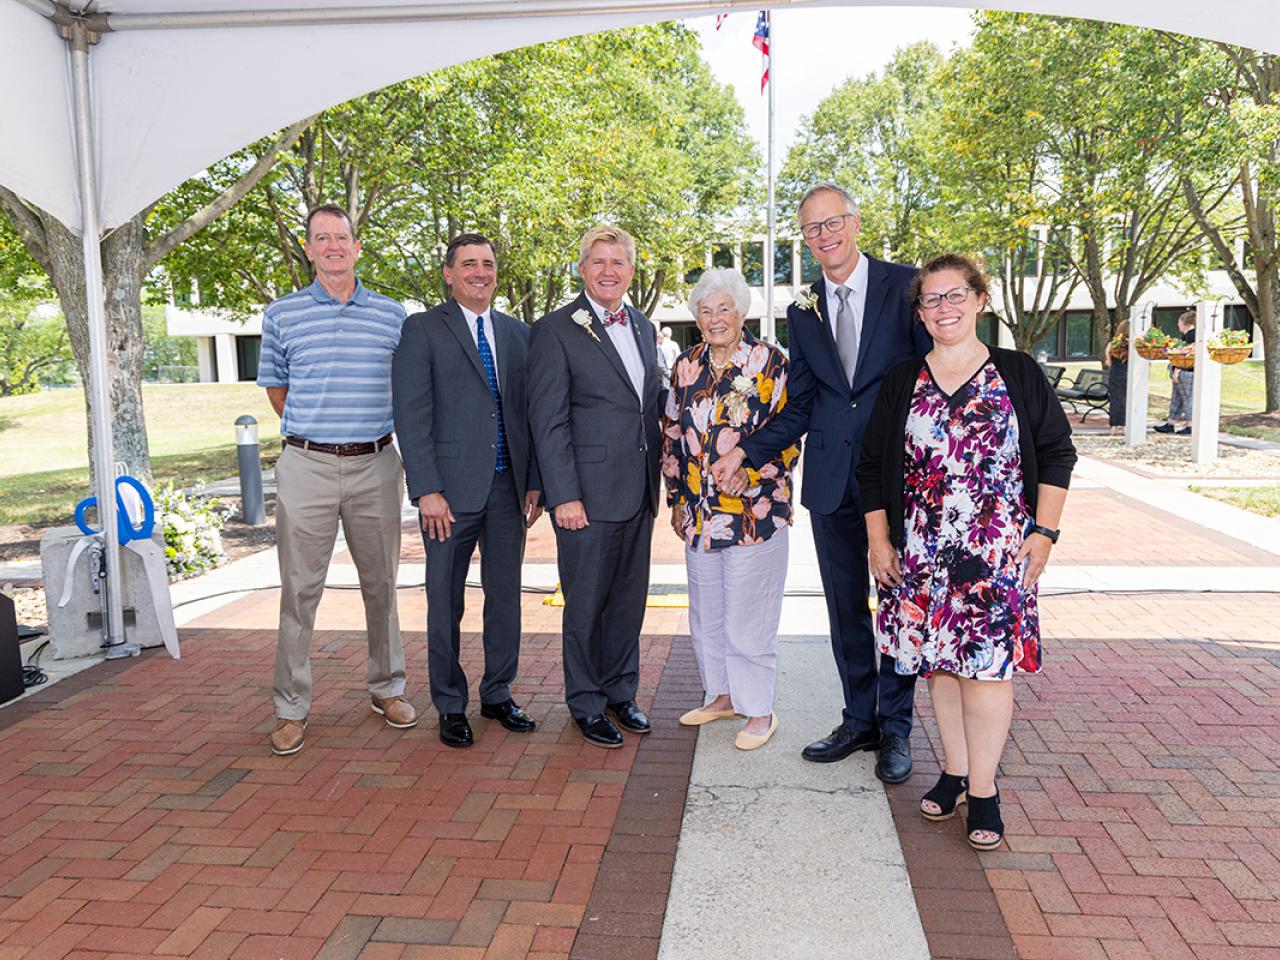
122, 265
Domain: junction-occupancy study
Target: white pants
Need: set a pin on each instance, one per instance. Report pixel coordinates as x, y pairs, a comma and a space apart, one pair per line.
735, 603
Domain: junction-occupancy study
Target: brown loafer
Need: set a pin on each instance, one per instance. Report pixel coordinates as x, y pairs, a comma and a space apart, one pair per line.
288, 736
397, 711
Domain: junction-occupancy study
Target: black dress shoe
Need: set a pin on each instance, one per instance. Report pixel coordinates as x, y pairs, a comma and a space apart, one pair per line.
598, 730
455, 731
629, 717
894, 765
509, 715
839, 743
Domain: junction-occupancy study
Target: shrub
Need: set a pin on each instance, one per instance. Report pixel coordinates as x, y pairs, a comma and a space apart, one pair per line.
192, 543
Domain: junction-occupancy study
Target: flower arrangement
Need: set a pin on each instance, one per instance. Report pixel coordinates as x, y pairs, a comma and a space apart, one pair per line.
1154, 344
1118, 347
192, 543
583, 319
1183, 357
1230, 346
806, 299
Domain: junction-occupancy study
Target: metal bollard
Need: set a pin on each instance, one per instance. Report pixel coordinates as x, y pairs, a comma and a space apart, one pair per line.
252, 509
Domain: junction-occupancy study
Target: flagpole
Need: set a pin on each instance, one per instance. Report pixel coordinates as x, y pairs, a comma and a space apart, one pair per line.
767, 324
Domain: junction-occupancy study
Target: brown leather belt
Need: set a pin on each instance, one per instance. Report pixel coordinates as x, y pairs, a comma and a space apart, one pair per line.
340, 449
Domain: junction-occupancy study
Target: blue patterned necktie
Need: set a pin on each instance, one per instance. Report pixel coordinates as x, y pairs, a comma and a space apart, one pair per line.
491, 374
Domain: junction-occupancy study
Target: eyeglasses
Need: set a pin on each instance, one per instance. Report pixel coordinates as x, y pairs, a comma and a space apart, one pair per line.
956, 295
831, 224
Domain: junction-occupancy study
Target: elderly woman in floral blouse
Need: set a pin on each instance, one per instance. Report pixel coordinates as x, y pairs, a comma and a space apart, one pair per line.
735, 539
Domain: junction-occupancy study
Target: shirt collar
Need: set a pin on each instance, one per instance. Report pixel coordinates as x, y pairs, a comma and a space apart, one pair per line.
321, 295
857, 281
470, 316
601, 311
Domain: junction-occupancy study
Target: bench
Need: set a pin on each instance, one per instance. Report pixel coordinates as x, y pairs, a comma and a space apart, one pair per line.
1054, 374
1089, 389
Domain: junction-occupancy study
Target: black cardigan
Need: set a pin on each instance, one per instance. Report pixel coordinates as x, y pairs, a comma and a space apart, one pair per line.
1044, 435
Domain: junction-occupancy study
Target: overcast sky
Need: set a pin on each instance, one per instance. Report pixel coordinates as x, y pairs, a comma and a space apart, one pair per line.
814, 51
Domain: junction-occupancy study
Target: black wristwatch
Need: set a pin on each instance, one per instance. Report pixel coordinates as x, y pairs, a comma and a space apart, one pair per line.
1046, 532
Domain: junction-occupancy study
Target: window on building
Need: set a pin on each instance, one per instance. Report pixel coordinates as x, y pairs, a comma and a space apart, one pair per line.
989, 329
1166, 318
1047, 345
1237, 318
183, 293
753, 263
248, 354
810, 269
1027, 256
782, 262
722, 255
695, 263
1079, 334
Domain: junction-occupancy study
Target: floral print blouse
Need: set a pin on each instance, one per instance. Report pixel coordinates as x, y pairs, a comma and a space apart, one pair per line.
707, 415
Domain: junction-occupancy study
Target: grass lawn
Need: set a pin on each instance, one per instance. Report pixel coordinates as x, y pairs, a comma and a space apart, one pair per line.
1243, 391
49, 427
53, 494
1264, 500
190, 426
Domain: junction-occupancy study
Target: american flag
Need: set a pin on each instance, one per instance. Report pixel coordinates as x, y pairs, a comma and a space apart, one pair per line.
761, 42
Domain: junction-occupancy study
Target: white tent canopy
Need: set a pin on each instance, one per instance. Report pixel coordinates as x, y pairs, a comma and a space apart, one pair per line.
170, 97
109, 105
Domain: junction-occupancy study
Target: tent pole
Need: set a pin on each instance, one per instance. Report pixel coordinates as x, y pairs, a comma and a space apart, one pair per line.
78, 39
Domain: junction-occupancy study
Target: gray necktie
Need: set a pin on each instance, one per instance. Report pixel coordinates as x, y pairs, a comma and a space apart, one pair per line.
846, 333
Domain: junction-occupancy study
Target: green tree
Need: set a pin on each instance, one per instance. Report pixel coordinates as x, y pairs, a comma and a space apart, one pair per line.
33, 345
1228, 138
129, 252
873, 136
528, 146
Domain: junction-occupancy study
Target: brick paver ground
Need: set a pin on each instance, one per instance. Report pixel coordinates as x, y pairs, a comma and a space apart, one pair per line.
141, 813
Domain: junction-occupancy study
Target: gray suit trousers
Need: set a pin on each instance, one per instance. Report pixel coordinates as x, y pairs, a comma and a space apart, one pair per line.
604, 573
500, 532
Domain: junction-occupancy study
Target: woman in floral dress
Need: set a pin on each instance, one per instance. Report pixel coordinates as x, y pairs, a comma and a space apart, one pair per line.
722, 390
963, 478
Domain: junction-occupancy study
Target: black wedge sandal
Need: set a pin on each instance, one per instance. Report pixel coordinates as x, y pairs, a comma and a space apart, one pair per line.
947, 793
984, 815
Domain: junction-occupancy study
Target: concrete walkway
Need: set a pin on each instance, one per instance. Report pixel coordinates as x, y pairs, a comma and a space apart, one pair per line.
142, 815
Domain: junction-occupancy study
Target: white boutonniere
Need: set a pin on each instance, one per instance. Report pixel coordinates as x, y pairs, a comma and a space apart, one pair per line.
806, 299
583, 319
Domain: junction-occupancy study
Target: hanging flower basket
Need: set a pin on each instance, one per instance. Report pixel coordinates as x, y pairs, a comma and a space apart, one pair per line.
1150, 352
1230, 346
1154, 344
1184, 358
1229, 354
1119, 348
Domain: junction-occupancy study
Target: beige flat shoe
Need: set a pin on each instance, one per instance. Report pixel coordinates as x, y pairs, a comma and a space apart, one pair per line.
696, 718
754, 741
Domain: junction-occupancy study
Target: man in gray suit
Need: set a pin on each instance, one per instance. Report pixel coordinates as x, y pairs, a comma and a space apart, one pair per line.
461, 414
593, 409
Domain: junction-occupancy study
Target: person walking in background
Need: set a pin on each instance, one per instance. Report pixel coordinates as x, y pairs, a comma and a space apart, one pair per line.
461, 414
724, 389
964, 474
1182, 384
594, 410
326, 366
845, 332
668, 350
1117, 360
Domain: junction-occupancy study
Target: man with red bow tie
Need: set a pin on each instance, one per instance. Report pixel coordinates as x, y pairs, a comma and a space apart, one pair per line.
593, 409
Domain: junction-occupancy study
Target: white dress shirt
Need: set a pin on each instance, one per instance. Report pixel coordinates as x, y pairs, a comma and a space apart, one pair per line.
488, 335
857, 282
624, 341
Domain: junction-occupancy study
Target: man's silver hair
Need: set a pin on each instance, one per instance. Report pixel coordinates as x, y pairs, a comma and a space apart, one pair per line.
724, 280
666, 331
850, 204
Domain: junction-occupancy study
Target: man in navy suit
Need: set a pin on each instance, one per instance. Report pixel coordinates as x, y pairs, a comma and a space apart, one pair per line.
859, 326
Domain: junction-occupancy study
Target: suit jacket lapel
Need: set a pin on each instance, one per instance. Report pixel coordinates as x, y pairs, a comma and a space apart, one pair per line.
457, 324
504, 335
835, 372
605, 343
877, 293
648, 352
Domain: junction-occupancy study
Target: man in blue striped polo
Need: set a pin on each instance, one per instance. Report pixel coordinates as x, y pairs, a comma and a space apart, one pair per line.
326, 365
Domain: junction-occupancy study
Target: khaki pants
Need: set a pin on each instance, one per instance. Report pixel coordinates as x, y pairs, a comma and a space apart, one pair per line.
313, 491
